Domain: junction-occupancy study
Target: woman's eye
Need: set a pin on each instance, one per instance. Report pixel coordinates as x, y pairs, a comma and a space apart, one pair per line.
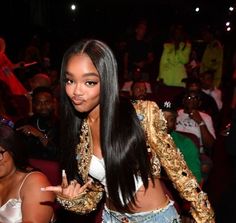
68, 81
91, 83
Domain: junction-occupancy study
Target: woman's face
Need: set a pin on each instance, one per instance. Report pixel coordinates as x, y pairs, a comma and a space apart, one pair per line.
6, 164
82, 83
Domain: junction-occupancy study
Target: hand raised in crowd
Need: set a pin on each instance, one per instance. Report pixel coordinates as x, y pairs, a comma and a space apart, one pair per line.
195, 115
29, 130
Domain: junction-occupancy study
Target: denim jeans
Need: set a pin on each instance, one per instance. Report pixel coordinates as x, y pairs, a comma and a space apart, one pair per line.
167, 214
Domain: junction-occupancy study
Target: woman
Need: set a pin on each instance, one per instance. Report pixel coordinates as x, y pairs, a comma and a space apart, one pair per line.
119, 145
20, 197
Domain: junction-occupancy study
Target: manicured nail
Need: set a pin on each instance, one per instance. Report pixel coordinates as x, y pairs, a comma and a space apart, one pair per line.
63, 173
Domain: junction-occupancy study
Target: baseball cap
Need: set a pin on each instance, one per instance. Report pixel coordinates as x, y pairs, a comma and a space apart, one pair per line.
168, 105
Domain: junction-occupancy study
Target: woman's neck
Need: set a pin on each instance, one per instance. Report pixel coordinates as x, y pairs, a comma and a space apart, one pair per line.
94, 115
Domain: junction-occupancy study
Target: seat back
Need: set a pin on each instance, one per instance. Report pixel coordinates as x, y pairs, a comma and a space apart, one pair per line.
50, 168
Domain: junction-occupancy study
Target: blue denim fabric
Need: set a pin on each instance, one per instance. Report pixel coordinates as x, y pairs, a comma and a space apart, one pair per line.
164, 215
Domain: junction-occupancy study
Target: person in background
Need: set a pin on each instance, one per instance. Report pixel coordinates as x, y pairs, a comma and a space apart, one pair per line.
38, 80
127, 88
139, 91
191, 120
21, 199
138, 53
212, 58
104, 134
7, 68
207, 85
207, 103
41, 130
8, 110
174, 57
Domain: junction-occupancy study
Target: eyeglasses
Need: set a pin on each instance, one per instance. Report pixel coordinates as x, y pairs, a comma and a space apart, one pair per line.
1, 154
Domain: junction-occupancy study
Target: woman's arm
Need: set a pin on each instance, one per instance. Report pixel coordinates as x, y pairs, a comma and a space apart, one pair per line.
173, 162
37, 206
176, 168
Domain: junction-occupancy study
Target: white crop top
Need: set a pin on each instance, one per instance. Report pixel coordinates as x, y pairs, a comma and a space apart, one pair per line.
97, 171
10, 212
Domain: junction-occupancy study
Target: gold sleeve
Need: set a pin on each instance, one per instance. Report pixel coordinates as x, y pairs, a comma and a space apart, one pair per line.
172, 161
86, 202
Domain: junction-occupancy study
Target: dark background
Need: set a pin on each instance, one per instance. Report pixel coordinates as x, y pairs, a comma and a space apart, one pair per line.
106, 19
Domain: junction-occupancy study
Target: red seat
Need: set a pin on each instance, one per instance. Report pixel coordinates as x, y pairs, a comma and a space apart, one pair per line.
50, 168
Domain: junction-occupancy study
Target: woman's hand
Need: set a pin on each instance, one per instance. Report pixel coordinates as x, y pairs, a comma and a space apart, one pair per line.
69, 190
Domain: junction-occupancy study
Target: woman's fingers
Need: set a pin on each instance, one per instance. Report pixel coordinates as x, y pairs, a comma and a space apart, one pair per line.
56, 189
64, 183
78, 189
85, 185
69, 190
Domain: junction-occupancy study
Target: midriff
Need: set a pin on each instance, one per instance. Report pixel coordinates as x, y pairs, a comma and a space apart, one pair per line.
152, 198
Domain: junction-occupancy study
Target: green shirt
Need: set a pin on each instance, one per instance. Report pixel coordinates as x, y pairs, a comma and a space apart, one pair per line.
190, 153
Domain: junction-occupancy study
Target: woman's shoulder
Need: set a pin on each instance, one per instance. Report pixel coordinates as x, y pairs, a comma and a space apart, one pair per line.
34, 179
149, 112
32, 183
147, 107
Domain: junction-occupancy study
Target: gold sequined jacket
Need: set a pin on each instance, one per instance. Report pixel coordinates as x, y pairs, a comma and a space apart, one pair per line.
164, 153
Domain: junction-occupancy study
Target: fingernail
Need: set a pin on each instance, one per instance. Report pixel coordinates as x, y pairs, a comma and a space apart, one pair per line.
42, 189
63, 173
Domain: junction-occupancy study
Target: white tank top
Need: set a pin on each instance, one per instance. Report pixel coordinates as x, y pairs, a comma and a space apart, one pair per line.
97, 169
10, 212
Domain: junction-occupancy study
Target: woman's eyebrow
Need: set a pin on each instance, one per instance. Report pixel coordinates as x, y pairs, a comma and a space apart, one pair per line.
91, 74
84, 75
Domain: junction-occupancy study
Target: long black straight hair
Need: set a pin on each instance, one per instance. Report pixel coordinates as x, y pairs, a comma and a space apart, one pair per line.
122, 138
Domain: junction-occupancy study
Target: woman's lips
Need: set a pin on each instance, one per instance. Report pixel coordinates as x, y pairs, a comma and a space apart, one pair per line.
77, 101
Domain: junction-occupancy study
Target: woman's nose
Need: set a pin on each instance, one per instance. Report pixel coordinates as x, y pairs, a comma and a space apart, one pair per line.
78, 89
